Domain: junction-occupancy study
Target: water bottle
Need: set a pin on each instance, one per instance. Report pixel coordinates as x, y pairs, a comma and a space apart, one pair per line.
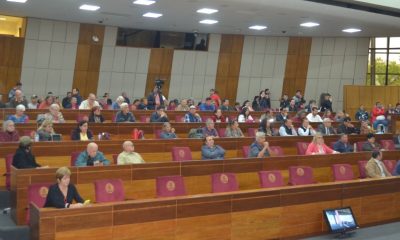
355, 147
99, 136
36, 137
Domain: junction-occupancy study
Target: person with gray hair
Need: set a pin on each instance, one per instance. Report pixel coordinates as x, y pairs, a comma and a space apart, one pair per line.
117, 104
54, 115
326, 127
167, 132
128, 156
19, 116
259, 148
23, 157
91, 157
9, 134
209, 129
124, 115
89, 103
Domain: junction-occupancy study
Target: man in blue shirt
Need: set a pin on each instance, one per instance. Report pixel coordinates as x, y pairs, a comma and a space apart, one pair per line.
207, 106
192, 116
343, 145
259, 148
211, 151
91, 157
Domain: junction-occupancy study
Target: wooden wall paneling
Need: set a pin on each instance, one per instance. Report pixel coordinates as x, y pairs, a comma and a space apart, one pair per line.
296, 70
88, 58
229, 62
160, 66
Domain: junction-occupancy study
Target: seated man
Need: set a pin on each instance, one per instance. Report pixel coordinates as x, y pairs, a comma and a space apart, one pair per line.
211, 151
91, 157
306, 129
346, 127
209, 129
287, 129
159, 115
124, 115
89, 103
371, 145
192, 116
17, 100
343, 145
225, 106
259, 148
326, 127
207, 106
128, 156
282, 116
375, 167
167, 132
314, 116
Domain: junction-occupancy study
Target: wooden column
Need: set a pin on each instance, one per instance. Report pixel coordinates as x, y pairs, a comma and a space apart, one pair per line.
297, 65
160, 67
230, 58
88, 58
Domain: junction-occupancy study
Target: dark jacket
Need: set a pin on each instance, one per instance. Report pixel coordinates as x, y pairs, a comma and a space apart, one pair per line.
151, 101
341, 147
55, 197
76, 134
347, 130
155, 117
92, 118
23, 158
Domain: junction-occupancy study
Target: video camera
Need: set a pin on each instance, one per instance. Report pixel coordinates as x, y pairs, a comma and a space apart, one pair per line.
159, 83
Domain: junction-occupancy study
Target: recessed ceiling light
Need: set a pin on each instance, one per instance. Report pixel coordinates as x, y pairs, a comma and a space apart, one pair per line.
152, 15
258, 27
208, 21
144, 2
17, 1
207, 10
351, 30
309, 24
88, 7
2, 19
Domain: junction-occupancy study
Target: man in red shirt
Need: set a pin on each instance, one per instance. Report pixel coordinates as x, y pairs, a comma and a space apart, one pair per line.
214, 96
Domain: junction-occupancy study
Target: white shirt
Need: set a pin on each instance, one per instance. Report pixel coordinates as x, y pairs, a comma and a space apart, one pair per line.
380, 167
301, 132
32, 106
85, 104
312, 118
282, 132
242, 118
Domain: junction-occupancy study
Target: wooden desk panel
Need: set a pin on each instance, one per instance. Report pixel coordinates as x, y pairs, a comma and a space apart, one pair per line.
288, 212
139, 178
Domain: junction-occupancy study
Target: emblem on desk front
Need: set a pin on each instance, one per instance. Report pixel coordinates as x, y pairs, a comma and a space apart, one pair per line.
300, 171
109, 188
170, 186
271, 177
181, 153
342, 170
224, 178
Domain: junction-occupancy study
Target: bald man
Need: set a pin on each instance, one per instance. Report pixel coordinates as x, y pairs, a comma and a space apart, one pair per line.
17, 100
90, 102
128, 156
91, 157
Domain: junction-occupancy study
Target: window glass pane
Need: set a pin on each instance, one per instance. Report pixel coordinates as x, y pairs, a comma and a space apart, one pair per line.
380, 79
394, 80
380, 63
369, 63
381, 42
11, 26
368, 81
395, 42
394, 64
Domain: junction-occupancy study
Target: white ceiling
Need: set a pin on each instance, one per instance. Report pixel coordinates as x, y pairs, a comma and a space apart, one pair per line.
234, 16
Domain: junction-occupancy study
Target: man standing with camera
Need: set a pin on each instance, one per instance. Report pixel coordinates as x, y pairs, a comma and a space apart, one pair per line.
155, 98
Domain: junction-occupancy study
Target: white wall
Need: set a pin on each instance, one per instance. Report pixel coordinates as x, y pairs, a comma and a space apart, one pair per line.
335, 62
263, 66
122, 68
194, 73
49, 56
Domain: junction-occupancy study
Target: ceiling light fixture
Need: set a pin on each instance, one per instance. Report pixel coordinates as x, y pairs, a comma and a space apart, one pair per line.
258, 27
351, 30
207, 10
144, 2
309, 24
2, 19
88, 7
17, 1
152, 15
208, 21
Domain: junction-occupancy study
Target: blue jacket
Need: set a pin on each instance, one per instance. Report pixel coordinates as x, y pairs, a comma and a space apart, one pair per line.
121, 117
216, 153
167, 135
341, 147
255, 148
205, 107
85, 160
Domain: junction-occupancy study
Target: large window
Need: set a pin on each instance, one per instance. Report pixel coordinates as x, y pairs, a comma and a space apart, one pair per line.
12, 26
384, 61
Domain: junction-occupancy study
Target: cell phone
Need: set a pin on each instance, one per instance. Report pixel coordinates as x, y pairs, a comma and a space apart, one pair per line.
86, 202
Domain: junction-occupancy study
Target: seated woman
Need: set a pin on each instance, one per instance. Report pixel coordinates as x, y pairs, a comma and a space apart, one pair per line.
9, 133
245, 116
82, 132
128, 155
268, 115
265, 127
217, 116
233, 129
74, 103
328, 114
210, 151
167, 131
63, 193
365, 128
247, 104
55, 116
124, 115
19, 116
23, 157
95, 115
47, 102
117, 104
317, 146
45, 130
